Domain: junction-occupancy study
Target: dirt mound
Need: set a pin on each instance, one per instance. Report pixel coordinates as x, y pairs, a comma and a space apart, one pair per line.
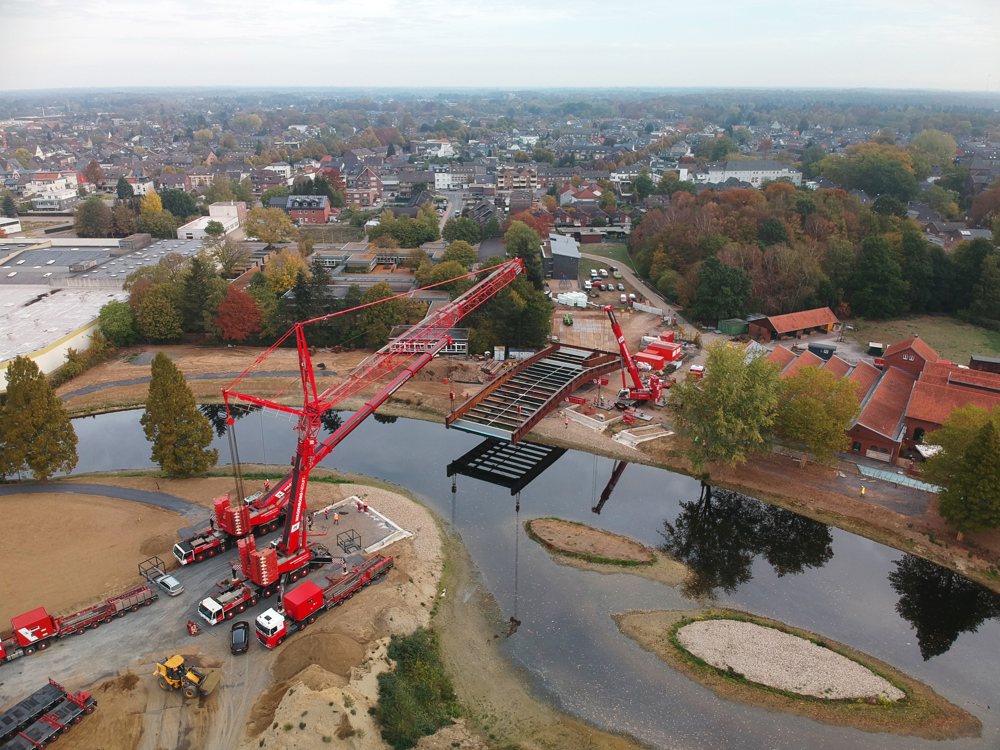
262, 713
334, 652
117, 722
589, 543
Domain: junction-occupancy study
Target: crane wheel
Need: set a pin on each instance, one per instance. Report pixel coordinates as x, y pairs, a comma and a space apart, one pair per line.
148, 602
122, 613
77, 719
199, 558
162, 682
229, 615
211, 553
94, 626
135, 608
80, 631
295, 576
253, 602
279, 641
190, 691
29, 650
242, 607
222, 548
42, 646
107, 619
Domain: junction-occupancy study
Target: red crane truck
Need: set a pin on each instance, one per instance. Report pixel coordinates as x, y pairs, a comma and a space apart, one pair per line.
40, 718
259, 514
628, 396
303, 604
36, 629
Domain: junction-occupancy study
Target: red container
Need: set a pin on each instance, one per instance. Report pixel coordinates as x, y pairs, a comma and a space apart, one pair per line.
666, 335
303, 600
665, 349
33, 626
653, 360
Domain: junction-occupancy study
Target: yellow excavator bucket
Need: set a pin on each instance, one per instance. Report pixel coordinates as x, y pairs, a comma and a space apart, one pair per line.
210, 682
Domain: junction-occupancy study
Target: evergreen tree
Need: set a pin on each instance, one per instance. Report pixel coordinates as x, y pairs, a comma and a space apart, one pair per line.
179, 432
972, 501
124, 189
195, 294
8, 207
986, 303
35, 431
723, 291
491, 229
521, 241
879, 289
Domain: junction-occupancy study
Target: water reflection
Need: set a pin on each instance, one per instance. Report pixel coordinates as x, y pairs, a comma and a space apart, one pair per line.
939, 603
719, 535
216, 415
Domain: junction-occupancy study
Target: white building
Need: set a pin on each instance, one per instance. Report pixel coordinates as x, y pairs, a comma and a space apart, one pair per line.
282, 167
752, 172
231, 214
449, 181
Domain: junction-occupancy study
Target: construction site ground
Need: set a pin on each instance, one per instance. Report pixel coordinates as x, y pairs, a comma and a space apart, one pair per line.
116, 661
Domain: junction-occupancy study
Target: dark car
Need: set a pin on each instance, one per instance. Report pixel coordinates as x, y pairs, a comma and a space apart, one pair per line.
239, 637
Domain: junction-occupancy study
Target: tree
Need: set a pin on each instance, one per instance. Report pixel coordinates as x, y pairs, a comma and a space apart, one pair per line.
270, 225
773, 231
729, 414
886, 205
157, 315
8, 207
93, 173
461, 228
117, 323
123, 220
879, 289
195, 294
417, 188
92, 218
215, 229
986, 207
608, 200
151, 204
875, 168
987, 291
937, 147
462, 252
124, 189
521, 241
448, 270
203, 136
35, 432
178, 202
491, 229
230, 255
815, 407
282, 270
643, 187
968, 259
238, 316
971, 501
23, 156
160, 224
722, 147
723, 291
377, 321
179, 432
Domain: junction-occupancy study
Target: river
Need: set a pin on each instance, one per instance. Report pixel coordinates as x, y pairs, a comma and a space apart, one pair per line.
931, 623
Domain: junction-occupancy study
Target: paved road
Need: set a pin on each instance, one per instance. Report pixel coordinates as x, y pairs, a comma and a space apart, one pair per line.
189, 510
203, 376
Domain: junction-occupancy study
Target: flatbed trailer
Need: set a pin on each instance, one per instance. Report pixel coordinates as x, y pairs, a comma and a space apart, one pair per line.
303, 604
41, 717
36, 630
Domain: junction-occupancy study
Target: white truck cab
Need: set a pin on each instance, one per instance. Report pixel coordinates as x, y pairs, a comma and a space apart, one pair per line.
211, 611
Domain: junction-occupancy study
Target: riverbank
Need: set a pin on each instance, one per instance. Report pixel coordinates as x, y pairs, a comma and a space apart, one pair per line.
921, 713
817, 491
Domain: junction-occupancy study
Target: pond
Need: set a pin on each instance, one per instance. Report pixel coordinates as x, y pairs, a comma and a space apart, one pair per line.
931, 623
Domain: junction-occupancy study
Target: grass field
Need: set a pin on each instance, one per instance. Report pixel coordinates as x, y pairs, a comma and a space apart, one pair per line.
949, 337
612, 250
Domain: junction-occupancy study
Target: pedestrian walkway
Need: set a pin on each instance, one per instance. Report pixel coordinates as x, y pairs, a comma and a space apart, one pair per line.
902, 479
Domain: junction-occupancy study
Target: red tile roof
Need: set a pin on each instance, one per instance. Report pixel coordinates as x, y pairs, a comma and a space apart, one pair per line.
985, 381
780, 356
935, 403
885, 409
916, 344
837, 366
865, 376
821, 316
937, 373
806, 359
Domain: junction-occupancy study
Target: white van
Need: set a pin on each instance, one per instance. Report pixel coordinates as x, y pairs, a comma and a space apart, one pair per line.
587, 286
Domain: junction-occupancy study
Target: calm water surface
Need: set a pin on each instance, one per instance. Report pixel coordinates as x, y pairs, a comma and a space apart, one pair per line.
928, 622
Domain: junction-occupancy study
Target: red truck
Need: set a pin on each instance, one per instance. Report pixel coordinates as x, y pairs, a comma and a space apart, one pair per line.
260, 513
303, 604
40, 718
36, 629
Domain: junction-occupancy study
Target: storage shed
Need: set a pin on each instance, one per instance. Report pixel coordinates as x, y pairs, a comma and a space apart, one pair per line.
734, 326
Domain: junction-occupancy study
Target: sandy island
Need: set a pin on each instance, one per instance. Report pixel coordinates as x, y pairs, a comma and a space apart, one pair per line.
921, 713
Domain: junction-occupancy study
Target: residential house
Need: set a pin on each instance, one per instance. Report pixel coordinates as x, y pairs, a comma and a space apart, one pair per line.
516, 177
305, 209
176, 182
751, 172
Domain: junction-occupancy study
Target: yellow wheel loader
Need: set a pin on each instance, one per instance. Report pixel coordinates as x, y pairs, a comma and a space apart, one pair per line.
171, 674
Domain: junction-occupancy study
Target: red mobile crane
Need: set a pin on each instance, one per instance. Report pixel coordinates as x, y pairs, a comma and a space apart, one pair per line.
293, 555
651, 391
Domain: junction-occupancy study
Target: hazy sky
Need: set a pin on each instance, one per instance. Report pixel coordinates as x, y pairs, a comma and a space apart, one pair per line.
945, 44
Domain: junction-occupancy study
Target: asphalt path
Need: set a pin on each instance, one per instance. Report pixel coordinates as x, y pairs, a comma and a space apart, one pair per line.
191, 511
202, 376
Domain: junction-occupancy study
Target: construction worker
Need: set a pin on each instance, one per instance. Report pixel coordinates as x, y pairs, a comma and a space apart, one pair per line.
366, 506
567, 423
326, 513
267, 485
336, 519
862, 490
359, 505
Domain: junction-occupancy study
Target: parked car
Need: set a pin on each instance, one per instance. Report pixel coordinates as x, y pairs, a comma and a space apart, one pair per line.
621, 287
170, 585
604, 274
623, 299
239, 637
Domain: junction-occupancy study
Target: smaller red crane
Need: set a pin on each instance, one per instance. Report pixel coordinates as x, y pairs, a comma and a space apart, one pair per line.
638, 391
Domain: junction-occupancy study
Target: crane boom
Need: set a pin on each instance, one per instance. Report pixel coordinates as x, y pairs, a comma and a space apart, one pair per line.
633, 371
420, 344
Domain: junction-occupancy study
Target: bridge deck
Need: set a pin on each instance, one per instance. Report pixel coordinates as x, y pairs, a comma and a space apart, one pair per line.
509, 407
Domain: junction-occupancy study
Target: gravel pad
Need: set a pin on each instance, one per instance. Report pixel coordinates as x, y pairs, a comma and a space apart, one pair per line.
770, 657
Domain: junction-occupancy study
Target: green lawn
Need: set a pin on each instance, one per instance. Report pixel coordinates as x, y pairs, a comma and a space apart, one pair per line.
612, 250
949, 337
